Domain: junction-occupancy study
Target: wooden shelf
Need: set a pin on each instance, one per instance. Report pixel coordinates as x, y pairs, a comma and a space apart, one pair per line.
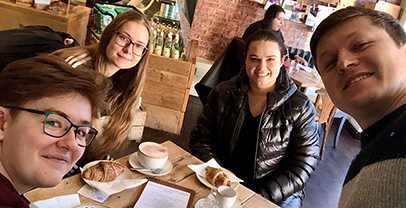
75, 23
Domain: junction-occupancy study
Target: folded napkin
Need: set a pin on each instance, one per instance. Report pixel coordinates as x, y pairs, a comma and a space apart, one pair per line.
60, 202
201, 170
109, 188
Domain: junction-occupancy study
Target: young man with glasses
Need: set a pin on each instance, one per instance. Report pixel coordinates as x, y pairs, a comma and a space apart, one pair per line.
46, 113
361, 57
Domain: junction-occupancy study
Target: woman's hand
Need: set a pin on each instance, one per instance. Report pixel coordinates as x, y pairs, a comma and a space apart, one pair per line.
300, 60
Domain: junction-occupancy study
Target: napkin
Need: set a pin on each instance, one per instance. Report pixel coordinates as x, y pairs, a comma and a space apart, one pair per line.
201, 170
109, 188
60, 202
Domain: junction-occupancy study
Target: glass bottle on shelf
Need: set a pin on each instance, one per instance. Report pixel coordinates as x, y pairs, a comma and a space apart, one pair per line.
168, 44
159, 43
152, 44
175, 47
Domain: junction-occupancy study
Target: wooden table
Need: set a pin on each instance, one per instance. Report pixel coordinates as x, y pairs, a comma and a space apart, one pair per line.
180, 175
305, 79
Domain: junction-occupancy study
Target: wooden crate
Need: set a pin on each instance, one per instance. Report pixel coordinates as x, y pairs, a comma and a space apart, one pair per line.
137, 125
75, 23
166, 92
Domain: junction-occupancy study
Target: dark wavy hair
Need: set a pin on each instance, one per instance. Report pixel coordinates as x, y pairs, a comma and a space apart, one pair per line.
270, 14
266, 35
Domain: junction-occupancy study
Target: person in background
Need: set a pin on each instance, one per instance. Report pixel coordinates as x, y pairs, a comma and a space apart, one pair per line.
31, 41
122, 55
364, 72
46, 112
273, 20
260, 126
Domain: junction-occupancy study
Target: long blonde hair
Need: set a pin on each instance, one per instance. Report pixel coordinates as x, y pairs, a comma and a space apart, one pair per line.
127, 87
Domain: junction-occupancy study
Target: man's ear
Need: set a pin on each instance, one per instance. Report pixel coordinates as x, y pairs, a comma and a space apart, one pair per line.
4, 115
404, 47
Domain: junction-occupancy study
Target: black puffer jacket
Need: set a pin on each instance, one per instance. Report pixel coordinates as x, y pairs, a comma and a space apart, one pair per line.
288, 146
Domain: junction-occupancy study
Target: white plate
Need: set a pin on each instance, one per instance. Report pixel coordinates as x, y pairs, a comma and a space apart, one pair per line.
91, 206
133, 160
125, 175
202, 179
205, 203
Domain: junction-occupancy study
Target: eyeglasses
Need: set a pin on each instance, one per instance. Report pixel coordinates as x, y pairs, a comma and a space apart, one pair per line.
123, 41
57, 126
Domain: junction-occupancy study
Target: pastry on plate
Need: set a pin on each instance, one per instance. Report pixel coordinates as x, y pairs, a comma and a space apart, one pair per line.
217, 177
103, 171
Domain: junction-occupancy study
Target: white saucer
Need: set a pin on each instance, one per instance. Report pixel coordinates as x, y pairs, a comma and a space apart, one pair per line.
237, 203
133, 160
210, 202
205, 203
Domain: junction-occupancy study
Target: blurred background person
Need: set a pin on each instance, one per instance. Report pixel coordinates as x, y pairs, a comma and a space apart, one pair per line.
31, 41
273, 20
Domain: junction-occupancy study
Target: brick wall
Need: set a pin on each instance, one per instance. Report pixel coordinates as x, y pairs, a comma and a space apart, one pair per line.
216, 22
297, 35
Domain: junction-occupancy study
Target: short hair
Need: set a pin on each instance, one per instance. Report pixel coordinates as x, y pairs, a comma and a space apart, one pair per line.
380, 19
266, 35
47, 75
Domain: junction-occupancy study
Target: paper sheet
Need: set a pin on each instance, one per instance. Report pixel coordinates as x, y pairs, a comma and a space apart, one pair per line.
156, 195
93, 193
116, 186
60, 201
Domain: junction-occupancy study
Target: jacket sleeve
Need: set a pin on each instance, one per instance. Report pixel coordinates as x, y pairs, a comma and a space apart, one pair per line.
201, 137
300, 159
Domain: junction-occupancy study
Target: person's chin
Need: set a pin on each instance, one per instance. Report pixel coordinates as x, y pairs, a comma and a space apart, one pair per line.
51, 180
124, 64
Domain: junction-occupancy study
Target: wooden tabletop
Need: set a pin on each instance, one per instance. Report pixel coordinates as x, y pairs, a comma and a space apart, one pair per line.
180, 175
303, 78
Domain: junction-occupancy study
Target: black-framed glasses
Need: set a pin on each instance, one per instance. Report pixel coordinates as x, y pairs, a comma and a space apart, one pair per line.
57, 126
123, 41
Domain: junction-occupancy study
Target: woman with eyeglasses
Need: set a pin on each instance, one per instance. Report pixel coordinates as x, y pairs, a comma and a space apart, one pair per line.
46, 113
122, 56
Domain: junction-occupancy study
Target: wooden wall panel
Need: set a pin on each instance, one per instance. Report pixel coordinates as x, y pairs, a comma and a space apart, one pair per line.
164, 96
166, 92
170, 65
164, 119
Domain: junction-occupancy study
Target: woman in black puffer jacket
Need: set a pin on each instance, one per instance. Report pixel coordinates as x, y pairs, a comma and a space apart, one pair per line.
260, 126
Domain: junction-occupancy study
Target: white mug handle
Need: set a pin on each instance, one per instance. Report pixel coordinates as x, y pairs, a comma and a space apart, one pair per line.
214, 192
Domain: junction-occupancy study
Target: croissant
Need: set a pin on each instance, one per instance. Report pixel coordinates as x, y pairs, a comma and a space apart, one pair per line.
217, 177
103, 171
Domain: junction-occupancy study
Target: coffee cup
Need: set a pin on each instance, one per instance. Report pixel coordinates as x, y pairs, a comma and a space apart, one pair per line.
152, 155
225, 196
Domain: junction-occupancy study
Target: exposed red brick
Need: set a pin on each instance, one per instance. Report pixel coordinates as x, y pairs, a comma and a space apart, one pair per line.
216, 22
